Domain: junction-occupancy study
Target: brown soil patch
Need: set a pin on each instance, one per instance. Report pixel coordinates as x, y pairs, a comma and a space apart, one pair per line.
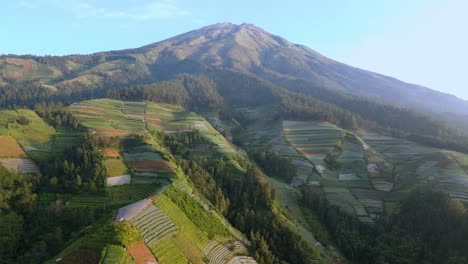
83, 256
313, 153
155, 121
26, 66
113, 133
141, 253
13, 74
9, 148
110, 153
150, 165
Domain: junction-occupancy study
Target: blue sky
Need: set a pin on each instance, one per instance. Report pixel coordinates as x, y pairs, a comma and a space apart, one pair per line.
418, 41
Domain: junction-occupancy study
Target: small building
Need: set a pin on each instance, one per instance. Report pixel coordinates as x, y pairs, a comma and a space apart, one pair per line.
319, 168
372, 168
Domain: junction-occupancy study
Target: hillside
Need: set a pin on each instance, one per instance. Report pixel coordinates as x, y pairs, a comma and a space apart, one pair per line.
245, 48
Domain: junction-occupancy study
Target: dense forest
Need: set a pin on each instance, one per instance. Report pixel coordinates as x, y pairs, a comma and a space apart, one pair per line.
34, 223
427, 227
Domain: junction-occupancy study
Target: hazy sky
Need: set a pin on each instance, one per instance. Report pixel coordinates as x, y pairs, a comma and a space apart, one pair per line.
418, 41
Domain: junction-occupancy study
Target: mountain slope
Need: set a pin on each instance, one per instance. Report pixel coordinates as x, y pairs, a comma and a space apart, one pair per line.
244, 48
251, 49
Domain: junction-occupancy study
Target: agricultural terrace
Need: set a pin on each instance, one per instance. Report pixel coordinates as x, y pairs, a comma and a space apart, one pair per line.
10, 148
27, 69
115, 166
109, 117
147, 164
228, 253
114, 254
415, 163
24, 165
124, 194
352, 149
287, 198
36, 135
313, 140
141, 253
343, 198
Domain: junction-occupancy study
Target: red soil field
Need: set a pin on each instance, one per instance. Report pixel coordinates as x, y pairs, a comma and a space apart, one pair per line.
141, 253
110, 153
150, 165
9, 148
26, 66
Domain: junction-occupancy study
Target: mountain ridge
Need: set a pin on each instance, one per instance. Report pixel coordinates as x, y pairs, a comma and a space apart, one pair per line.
245, 48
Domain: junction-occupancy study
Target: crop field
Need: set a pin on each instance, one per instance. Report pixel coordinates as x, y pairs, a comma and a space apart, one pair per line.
194, 254
154, 225
228, 253
352, 149
146, 155
115, 167
132, 192
18, 165
27, 69
119, 180
141, 253
87, 200
150, 165
287, 197
116, 255
186, 227
109, 116
343, 198
168, 252
35, 135
313, 140
10, 148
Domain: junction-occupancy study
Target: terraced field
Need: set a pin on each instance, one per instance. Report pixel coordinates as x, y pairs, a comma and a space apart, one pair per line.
115, 166
343, 198
132, 192
109, 117
313, 140
352, 149
153, 225
141, 253
37, 135
114, 254
24, 165
196, 236
10, 148
167, 252
228, 253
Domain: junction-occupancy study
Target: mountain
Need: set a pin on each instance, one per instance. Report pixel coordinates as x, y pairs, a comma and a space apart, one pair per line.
243, 48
